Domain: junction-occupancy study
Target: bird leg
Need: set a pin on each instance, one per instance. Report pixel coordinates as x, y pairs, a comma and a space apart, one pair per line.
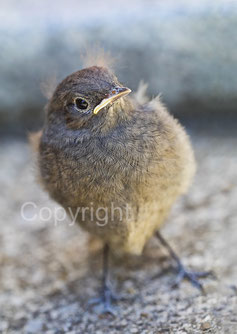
183, 273
107, 297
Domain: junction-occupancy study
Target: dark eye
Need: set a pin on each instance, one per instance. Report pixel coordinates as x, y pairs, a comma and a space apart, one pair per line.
81, 103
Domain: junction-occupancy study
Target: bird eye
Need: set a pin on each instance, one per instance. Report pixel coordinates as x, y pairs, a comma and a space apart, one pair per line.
81, 103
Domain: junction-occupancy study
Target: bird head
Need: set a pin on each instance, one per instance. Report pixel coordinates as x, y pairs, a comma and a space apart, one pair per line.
85, 95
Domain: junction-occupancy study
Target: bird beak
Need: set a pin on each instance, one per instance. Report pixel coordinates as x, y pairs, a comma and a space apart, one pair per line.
115, 94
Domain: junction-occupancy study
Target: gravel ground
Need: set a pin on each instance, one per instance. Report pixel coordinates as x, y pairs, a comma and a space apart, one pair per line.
49, 269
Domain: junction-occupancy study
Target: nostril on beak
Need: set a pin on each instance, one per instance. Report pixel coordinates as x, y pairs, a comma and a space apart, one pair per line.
119, 90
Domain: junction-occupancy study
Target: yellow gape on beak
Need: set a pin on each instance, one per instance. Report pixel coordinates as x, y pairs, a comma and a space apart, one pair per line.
115, 94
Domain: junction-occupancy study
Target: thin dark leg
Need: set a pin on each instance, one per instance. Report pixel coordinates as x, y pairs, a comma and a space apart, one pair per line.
105, 266
106, 293
183, 273
106, 297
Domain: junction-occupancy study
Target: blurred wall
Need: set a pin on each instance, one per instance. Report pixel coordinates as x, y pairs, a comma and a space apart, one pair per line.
187, 50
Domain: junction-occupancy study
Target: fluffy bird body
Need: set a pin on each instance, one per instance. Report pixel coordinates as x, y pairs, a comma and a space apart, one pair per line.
130, 160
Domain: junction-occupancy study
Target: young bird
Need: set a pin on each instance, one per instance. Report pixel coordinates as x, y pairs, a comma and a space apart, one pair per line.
101, 148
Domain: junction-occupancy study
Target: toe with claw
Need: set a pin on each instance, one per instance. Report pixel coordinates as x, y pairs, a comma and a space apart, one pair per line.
104, 303
192, 277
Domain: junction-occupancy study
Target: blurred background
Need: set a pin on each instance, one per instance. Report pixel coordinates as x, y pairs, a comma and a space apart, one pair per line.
187, 51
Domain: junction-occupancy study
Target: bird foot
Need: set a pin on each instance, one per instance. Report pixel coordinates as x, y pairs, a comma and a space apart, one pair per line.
192, 277
104, 303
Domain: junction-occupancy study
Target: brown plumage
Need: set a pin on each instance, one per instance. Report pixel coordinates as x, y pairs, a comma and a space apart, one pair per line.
136, 156
124, 154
